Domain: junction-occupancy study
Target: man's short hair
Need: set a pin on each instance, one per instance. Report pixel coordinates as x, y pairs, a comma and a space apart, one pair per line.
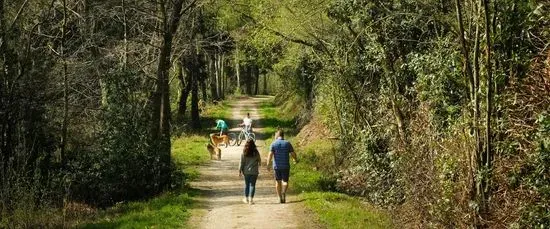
280, 133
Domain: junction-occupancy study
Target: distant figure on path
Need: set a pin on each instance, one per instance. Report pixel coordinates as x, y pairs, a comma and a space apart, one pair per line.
247, 123
250, 162
216, 138
220, 124
280, 151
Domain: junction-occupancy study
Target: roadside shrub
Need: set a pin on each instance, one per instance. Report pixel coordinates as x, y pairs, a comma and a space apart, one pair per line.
372, 173
536, 176
126, 167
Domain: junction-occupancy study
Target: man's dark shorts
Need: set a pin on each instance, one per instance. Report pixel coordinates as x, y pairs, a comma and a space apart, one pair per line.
282, 174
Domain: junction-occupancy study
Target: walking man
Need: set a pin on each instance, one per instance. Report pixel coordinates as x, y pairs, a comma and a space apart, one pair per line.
280, 151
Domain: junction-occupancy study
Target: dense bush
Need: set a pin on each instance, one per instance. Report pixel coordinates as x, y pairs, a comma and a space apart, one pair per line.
126, 167
536, 176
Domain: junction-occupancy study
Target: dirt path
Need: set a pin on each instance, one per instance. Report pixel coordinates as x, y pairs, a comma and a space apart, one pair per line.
220, 205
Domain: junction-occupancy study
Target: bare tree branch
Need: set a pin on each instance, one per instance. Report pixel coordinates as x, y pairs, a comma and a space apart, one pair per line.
17, 15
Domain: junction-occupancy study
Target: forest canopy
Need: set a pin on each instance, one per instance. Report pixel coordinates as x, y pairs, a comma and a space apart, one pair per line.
440, 107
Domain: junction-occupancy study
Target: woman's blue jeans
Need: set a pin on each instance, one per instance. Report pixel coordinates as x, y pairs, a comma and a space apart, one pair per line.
250, 185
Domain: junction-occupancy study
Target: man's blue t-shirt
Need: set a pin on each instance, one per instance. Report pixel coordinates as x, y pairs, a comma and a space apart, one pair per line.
281, 153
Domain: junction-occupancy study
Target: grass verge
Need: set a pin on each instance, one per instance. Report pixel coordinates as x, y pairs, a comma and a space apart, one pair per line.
168, 210
335, 210
273, 118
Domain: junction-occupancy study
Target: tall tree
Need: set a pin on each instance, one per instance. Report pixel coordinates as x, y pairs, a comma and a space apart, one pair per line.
65, 124
196, 75
185, 84
486, 160
161, 97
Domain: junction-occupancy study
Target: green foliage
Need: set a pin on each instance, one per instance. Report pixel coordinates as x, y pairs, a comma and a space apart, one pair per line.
438, 84
536, 177
31, 203
372, 174
217, 111
127, 167
209, 114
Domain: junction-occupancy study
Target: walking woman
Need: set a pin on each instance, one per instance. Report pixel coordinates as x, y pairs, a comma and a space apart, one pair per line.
250, 161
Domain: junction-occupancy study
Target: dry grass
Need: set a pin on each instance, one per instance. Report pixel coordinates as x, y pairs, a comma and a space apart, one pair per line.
525, 100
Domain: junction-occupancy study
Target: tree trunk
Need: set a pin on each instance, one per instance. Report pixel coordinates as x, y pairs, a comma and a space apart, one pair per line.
397, 113
204, 77
265, 84
203, 90
185, 89
257, 75
464, 48
218, 77
160, 131
195, 76
475, 189
5, 136
2, 26
248, 77
476, 76
65, 124
222, 76
212, 78
488, 144
125, 56
237, 70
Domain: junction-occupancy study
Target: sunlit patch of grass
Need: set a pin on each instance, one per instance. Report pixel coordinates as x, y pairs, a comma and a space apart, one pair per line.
217, 111
188, 152
166, 211
304, 178
337, 210
273, 117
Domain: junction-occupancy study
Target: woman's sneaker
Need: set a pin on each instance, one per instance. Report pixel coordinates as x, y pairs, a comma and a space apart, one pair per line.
251, 202
245, 200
